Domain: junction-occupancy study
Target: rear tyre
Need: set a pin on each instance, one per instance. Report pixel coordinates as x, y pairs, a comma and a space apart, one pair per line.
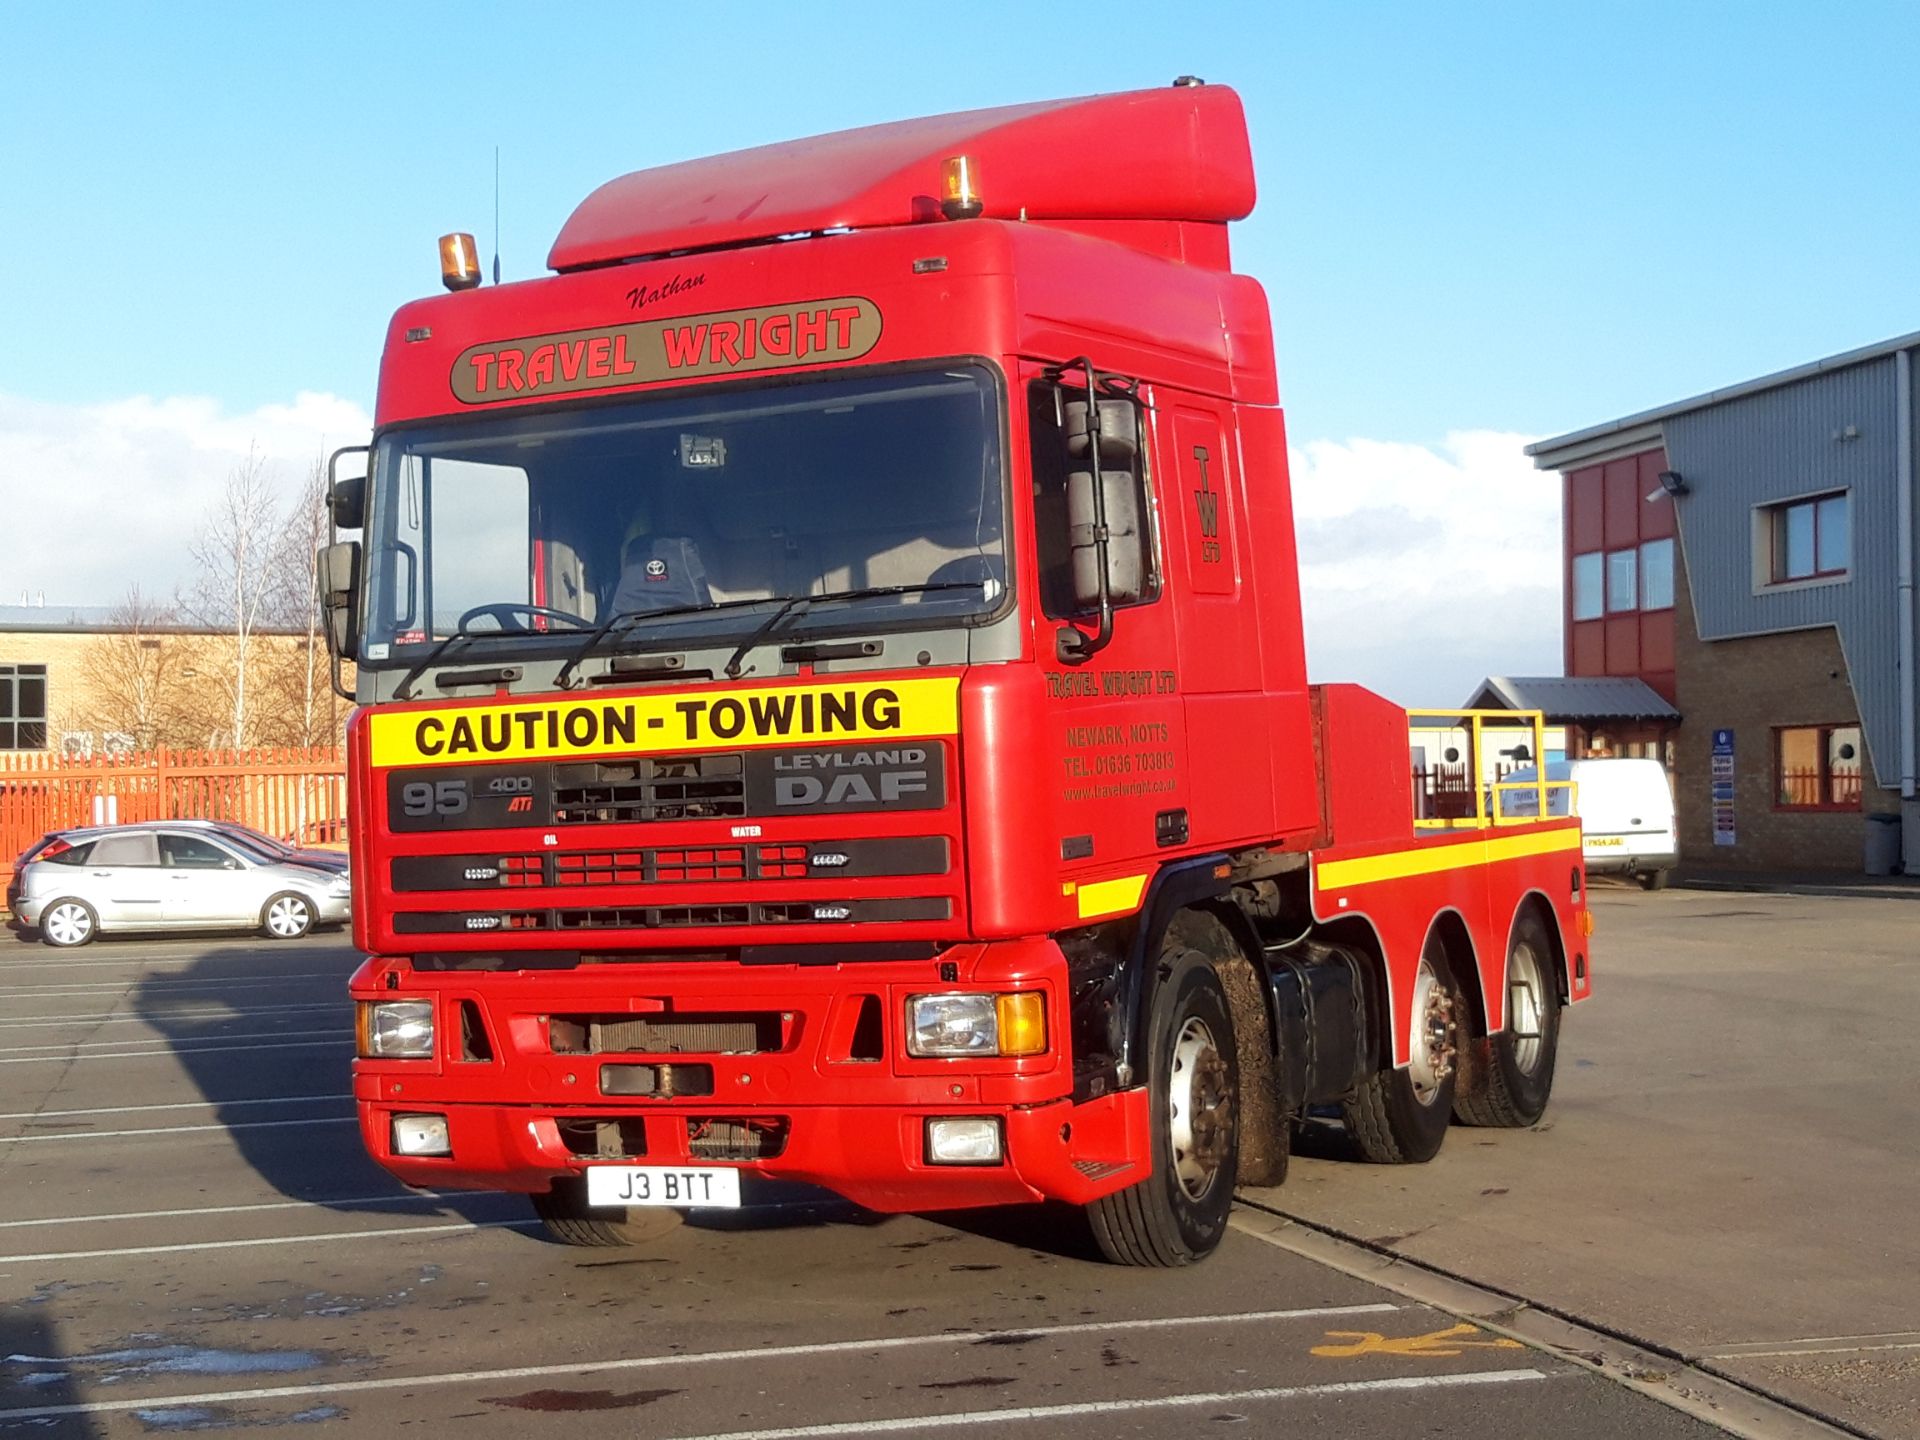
1506, 1079
1399, 1117
67, 923
1653, 879
571, 1221
287, 916
1178, 1214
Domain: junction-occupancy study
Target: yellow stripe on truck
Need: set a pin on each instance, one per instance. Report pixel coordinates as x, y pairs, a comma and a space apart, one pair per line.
1432, 859
651, 724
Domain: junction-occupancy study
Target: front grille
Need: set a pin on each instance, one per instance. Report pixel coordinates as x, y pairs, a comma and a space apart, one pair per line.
678, 864
752, 1033
736, 1139
680, 787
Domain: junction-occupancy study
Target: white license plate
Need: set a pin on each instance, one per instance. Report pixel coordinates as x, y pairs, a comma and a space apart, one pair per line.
705, 1186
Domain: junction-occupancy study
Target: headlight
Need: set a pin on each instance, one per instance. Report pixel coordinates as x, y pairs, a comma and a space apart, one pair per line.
945, 1025
340, 888
395, 1030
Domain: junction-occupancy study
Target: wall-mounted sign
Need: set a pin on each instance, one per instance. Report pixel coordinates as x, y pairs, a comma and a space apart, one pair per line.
1722, 781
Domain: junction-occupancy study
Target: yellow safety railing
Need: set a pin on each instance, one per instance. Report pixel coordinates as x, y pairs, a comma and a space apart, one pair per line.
1466, 788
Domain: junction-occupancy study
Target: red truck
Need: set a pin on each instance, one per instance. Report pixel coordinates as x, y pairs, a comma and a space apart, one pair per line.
833, 708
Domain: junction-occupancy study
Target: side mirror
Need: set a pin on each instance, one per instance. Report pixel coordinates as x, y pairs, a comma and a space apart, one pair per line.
336, 570
347, 503
230, 864
1125, 547
347, 494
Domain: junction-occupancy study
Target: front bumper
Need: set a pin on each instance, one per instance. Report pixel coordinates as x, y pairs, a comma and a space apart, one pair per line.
872, 1155
801, 1072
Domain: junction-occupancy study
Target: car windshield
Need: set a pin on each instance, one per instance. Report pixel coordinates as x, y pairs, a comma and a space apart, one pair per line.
549, 522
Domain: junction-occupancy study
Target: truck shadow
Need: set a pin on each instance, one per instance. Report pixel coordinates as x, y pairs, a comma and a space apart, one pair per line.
265, 1033
36, 1376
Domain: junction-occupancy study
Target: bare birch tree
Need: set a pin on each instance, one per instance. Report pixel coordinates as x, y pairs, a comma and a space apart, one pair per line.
238, 551
135, 676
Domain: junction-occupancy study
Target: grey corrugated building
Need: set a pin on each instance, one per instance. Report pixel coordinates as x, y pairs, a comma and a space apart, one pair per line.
1750, 553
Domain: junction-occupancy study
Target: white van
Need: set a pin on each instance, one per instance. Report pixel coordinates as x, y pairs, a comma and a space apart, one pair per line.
1626, 814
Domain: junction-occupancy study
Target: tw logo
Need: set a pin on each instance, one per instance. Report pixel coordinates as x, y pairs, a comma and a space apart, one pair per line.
1206, 502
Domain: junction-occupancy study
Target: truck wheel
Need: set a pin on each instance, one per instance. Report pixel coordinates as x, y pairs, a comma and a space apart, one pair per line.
1653, 879
1178, 1214
1399, 1117
1505, 1079
571, 1221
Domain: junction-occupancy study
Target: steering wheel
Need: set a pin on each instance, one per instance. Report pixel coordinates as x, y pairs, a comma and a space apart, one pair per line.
501, 609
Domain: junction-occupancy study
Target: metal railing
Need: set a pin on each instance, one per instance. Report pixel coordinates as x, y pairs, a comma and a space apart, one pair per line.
1472, 784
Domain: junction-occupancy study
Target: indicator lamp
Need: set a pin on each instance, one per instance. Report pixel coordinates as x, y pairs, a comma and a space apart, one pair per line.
960, 189
459, 261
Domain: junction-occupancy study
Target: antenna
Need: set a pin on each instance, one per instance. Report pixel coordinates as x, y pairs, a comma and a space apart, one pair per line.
496, 214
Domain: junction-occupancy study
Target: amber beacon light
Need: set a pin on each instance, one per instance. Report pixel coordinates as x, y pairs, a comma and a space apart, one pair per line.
960, 189
459, 262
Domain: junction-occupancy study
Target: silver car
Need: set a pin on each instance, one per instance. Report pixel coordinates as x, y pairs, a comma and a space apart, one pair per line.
76, 884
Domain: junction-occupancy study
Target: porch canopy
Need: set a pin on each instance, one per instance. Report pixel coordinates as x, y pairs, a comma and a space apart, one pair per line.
1575, 699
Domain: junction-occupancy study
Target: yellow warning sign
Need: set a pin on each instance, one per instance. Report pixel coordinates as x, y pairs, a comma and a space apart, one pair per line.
1438, 1344
648, 724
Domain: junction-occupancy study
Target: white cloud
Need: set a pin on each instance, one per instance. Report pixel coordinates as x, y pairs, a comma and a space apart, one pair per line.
97, 497
1426, 568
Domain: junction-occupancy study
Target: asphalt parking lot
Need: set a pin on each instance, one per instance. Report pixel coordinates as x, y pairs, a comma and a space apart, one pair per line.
190, 1238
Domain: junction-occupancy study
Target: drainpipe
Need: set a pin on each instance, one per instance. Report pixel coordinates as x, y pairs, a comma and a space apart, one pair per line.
1909, 694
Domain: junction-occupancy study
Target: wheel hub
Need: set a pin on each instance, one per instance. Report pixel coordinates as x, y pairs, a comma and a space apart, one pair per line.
1526, 1007
1200, 1117
1435, 1042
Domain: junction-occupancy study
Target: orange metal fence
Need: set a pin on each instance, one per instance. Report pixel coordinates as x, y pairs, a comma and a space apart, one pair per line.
293, 793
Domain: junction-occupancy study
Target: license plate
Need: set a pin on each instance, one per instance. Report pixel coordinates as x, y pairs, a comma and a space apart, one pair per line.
709, 1186
1597, 841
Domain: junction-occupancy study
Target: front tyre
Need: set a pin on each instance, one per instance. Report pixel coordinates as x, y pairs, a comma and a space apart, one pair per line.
1178, 1214
571, 1221
287, 916
67, 923
1399, 1117
1505, 1079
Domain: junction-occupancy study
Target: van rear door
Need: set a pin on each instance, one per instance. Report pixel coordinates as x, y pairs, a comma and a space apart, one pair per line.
1626, 812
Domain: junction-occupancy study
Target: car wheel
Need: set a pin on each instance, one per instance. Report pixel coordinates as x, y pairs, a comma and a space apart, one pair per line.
288, 916
67, 923
1653, 879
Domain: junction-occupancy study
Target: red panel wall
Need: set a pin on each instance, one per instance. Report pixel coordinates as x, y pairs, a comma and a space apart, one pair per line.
1606, 508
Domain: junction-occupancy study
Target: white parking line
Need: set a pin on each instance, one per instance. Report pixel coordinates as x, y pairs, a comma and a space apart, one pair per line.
179, 1249
707, 1357
1108, 1407
160, 1040
178, 1129
398, 1197
158, 1016
183, 1050
175, 1105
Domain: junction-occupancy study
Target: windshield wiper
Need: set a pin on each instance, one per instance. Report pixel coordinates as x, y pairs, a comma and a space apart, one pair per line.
800, 604
404, 690
621, 621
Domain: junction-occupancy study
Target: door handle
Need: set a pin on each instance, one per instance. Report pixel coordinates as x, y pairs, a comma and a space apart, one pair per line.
101, 874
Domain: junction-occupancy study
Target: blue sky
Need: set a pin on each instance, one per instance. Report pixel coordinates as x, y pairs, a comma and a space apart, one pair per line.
1474, 219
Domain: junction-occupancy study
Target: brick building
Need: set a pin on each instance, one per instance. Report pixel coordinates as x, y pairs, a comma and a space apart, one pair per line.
1749, 554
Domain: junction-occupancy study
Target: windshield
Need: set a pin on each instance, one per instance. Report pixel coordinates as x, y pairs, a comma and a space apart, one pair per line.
548, 523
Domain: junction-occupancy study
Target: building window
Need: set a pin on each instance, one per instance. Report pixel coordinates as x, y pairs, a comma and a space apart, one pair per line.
1656, 575
23, 707
1623, 580
1817, 767
1588, 602
1809, 539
